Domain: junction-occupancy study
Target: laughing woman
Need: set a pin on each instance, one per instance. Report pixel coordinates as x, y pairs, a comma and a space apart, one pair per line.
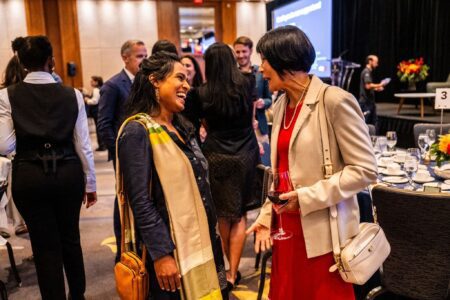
165, 177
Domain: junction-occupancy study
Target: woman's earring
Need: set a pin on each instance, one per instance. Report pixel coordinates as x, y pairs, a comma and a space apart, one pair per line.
157, 95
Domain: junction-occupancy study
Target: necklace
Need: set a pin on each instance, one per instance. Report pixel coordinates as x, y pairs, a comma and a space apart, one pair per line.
295, 111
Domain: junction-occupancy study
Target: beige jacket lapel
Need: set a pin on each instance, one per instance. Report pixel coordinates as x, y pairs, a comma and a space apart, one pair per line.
311, 98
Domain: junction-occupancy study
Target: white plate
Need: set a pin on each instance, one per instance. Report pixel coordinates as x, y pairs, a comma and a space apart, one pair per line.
399, 161
395, 173
395, 179
443, 186
424, 180
422, 167
447, 181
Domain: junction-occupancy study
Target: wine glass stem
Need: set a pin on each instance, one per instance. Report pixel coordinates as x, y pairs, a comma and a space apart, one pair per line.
281, 230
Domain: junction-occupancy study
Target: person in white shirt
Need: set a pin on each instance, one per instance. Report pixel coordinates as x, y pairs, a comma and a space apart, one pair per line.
53, 170
91, 101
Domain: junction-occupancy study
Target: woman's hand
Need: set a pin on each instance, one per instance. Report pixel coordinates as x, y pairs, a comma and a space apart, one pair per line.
292, 204
167, 273
90, 199
263, 241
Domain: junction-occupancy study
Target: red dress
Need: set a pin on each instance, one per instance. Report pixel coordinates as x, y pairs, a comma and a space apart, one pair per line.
293, 275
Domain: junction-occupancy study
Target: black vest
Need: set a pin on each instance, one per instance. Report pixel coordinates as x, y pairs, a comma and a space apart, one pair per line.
44, 117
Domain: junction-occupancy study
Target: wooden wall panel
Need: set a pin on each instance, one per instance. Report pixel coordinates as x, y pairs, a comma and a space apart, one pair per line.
228, 22
34, 11
57, 19
70, 41
168, 21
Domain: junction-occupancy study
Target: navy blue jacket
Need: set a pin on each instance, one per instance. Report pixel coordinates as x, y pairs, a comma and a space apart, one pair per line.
262, 91
111, 109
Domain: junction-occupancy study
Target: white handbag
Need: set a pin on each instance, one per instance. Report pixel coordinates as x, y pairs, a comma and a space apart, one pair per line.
363, 255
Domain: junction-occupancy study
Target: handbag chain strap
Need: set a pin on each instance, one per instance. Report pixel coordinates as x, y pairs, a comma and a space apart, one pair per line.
328, 172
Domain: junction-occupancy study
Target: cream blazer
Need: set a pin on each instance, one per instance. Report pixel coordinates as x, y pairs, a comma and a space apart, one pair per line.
354, 165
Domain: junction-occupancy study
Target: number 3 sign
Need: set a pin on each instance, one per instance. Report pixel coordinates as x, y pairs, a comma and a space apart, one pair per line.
442, 100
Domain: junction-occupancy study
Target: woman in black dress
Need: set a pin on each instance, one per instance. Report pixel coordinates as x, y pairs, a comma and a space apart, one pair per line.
226, 104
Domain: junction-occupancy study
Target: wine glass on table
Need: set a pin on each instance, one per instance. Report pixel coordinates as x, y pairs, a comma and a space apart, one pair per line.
280, 183
391, 137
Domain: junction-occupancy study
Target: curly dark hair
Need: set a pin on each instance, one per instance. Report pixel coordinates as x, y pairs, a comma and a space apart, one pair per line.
143, 96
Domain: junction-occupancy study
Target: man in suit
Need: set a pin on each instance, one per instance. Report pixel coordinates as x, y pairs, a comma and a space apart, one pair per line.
111, 108
243, 47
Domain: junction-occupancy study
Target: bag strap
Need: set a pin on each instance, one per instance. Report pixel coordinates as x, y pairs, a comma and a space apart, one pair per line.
125, 209
328, 172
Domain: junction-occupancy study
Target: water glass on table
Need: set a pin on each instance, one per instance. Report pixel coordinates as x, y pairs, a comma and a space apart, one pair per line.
391, 138
431, 136
423, 142
382, 144
414, 152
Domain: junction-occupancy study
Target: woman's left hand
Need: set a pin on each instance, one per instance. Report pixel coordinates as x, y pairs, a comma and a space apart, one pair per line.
292, 204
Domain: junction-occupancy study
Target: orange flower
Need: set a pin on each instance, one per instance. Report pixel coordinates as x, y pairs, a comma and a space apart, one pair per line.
444, 144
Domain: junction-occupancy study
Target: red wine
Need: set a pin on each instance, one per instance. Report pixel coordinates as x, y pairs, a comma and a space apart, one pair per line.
274, 197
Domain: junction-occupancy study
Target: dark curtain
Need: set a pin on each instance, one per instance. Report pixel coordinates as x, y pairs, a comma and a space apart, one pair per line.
394, 30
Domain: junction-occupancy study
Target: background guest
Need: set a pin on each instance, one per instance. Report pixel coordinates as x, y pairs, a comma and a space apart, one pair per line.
91, 101
226, 104
195, 79
53, 170
367, 89
111, 109
243, 47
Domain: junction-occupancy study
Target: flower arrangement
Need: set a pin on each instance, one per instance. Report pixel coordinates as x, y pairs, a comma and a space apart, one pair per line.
441, 149
412, 70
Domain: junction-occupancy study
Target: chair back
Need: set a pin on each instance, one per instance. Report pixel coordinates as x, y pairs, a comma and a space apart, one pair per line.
422, 128
372, 129
417, 225
262, 182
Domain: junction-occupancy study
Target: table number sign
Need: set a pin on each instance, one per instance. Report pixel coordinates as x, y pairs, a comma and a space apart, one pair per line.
442, 100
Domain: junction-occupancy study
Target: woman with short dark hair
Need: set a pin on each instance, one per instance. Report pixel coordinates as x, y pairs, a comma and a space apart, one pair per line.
300, 265
53, 170
226, 103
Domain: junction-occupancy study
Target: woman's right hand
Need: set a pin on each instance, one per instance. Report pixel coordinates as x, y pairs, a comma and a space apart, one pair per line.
263, 241
167, 273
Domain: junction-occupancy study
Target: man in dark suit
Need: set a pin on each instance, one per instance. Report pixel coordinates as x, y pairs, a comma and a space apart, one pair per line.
111, 108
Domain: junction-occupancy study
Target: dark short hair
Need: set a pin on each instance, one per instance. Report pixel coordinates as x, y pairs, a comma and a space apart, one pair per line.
164, 45
243, 40
287, 49
35, 51
98, 79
